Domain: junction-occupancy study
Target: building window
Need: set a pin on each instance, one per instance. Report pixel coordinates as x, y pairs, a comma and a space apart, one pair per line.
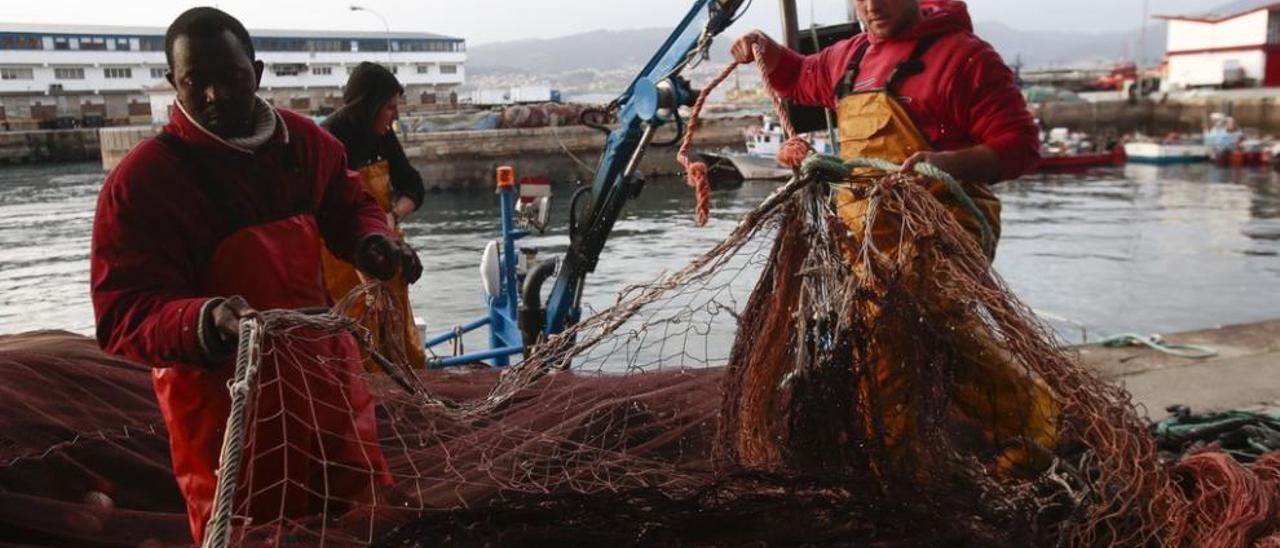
17, 74
327, 45
429, 45
93, 43
117, 72
61, 42
288, 69
321, 71
158, 73
448, 69
280, 44
424, 69
68, 73
151, 43
122, 44
1273, 28
371, 45
20, 41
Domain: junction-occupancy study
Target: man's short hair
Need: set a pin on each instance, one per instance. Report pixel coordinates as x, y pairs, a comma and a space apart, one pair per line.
205, 21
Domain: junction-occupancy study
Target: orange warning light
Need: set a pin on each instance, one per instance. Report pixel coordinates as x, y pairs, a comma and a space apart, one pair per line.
506, 177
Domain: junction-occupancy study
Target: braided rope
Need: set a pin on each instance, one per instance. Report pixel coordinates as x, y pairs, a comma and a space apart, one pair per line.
836, 168
248, 360
696, 172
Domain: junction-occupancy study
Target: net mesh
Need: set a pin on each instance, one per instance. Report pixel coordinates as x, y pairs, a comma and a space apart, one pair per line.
735, 400
804, 381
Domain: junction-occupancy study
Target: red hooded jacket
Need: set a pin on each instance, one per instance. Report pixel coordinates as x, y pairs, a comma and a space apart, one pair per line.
966, 95
155, 231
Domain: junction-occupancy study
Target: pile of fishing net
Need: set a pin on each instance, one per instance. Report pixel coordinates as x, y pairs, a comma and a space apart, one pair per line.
735, 400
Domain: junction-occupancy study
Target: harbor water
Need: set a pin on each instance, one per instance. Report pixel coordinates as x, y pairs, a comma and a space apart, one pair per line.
1137, 248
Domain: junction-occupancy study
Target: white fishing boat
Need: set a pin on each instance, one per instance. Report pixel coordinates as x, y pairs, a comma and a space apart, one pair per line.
1165, 153
759, 163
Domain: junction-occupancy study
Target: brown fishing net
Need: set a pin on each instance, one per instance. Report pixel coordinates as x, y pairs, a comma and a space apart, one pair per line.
797, 384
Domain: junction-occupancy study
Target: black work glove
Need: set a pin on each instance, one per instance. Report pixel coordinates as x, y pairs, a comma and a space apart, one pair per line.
382, 257
220, 326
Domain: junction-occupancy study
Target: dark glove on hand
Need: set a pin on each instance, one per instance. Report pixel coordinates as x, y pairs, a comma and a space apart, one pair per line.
382, 257
220, 327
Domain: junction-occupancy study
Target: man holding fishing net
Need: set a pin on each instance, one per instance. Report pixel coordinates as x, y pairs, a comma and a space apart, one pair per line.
918, 87
221, 216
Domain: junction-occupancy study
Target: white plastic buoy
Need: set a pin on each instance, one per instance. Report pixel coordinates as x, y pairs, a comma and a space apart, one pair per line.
489, 271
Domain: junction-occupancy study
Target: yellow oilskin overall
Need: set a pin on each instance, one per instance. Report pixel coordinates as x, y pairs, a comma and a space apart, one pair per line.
340, 277
991, 393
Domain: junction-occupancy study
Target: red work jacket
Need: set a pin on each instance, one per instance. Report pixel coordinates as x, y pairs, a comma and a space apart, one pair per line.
965, 96
155, 231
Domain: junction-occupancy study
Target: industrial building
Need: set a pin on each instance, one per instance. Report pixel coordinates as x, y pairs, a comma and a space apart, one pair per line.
74, 75
1216, 51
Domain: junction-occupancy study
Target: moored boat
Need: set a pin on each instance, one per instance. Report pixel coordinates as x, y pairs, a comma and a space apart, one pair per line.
759, 163
1114, 157
1063, 149
1165, 153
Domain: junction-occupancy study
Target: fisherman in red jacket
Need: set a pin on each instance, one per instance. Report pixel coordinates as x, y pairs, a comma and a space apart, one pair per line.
218, 217
919, 86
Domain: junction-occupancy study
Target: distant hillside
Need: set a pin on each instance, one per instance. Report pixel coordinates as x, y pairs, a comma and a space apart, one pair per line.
580, 57
1043, 49
595, 50
605, 60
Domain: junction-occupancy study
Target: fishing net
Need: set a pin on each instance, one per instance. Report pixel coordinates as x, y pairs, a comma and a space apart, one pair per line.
802, 382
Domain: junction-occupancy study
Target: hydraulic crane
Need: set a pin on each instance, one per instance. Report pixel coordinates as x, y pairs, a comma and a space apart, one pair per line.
650, 101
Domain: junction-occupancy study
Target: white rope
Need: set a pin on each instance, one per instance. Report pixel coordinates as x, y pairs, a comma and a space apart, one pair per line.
217, 533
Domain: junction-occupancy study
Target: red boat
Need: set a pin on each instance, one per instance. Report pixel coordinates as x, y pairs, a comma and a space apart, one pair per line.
1241, 158
1114, 157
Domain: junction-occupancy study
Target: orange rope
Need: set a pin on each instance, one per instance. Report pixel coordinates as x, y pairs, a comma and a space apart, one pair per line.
791, 155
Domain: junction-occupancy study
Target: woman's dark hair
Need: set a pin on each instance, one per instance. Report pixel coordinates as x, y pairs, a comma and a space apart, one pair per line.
368, 88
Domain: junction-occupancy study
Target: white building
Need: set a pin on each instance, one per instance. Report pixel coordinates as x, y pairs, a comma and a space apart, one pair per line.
1241, 49
56, 73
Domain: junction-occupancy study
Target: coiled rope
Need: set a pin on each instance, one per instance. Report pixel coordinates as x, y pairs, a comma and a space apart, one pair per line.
1154, 342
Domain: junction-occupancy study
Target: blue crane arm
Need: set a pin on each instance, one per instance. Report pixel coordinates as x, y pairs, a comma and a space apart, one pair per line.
656, 88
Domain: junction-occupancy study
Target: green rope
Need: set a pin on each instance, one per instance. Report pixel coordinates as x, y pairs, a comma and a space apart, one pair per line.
818, 165
1191, 351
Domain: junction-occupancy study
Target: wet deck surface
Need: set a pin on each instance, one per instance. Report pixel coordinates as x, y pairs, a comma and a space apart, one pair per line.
1244, 374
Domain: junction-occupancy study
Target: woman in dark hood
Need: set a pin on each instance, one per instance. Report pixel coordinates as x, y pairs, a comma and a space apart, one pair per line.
371, 104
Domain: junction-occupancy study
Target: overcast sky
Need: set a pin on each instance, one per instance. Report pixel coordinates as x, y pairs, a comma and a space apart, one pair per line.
482, 21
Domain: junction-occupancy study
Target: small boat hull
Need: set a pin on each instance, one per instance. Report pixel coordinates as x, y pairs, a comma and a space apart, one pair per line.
1082, 161
747, 167
1159, 153
1238, 158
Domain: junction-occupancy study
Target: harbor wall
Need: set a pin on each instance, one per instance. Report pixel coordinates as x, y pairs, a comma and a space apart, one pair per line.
48, 146
1257, 115
463, 159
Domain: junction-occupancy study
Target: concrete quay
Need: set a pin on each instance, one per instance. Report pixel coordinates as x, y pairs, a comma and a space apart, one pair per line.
466, 159
1244, 375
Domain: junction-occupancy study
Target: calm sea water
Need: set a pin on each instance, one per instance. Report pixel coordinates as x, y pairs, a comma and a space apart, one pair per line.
1138, 248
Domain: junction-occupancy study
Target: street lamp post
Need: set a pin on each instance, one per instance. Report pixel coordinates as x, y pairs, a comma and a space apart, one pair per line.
385, 27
